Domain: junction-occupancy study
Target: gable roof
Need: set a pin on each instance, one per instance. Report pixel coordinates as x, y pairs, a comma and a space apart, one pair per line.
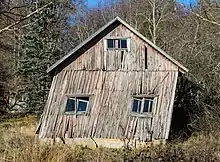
182, 69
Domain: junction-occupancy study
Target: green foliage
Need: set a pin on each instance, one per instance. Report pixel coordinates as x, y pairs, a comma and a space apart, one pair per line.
39, 50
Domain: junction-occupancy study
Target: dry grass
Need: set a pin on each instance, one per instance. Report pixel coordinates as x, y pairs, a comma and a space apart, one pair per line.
19, 145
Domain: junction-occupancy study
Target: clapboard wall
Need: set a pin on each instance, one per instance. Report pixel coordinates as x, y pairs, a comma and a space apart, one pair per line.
112, 81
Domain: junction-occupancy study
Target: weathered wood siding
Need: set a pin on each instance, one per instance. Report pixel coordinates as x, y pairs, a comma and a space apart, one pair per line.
96, 58
112, 84
110, 109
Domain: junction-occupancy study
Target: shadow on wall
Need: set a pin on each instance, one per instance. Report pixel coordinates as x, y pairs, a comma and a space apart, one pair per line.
186, 109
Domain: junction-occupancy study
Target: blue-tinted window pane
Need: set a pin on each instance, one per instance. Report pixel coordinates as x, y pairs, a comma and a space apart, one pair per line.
148, 106
70, 106
111, 43
82, 106
123, 43
136, 106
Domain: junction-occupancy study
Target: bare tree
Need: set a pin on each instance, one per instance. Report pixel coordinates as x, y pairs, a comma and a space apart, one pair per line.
20, 20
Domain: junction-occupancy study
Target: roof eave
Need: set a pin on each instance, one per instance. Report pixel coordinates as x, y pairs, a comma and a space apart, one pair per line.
80, 45
183, 71
182, 68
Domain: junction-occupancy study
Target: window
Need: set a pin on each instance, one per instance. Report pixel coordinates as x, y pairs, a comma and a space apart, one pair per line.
142, 105
77, 105
117, 43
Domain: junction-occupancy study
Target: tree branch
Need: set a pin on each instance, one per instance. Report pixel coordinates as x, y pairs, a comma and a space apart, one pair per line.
17, 7
8, 16
15, 14
21, 27
207, 20
26, 17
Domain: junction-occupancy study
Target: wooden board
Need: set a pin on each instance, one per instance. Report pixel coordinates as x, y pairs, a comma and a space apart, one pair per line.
110, 106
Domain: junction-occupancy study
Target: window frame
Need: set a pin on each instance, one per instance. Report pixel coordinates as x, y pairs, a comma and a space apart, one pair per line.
152, 98
76, 112
116, 43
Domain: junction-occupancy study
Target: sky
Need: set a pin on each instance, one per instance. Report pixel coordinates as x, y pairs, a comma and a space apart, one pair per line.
187, 2
93, 3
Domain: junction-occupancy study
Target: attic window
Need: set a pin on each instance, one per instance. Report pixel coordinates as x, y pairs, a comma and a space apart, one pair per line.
117, 43
142, 106
77, 105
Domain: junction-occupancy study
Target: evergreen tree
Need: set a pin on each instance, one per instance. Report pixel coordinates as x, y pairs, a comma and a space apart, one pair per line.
40, 48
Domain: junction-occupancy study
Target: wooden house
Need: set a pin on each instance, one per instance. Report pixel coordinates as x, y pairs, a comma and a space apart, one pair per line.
114, 85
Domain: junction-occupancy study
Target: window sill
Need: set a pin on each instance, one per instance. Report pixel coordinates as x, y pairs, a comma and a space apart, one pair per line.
119, 49
144, 115
73, 113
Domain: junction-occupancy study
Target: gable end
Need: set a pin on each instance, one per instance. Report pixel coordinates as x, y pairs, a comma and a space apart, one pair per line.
94, 38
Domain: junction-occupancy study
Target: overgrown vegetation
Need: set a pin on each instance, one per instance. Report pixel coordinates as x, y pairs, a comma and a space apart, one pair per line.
18, 144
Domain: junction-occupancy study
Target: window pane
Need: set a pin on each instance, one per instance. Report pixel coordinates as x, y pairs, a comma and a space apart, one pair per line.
70, 106
119, 43
111, 43
123, 43
136, 105
82, 105
148, 106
